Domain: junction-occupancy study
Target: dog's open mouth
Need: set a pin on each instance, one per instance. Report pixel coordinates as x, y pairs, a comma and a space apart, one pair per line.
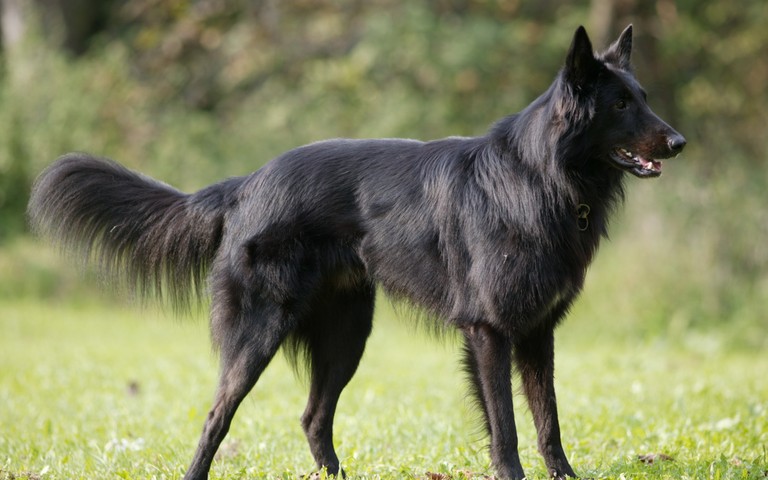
637, 164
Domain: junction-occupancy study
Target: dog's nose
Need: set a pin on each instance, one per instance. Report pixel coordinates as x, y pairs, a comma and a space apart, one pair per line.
676, 143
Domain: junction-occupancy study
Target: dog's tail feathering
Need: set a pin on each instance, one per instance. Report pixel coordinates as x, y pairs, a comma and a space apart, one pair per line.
156, 238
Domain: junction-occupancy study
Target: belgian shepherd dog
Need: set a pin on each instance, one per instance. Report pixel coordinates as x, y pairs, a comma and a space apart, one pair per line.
492, 235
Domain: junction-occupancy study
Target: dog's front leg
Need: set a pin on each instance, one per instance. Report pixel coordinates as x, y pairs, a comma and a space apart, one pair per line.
534, 356
488, 360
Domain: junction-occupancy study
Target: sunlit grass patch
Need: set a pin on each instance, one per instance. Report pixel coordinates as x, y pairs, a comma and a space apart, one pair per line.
95, 391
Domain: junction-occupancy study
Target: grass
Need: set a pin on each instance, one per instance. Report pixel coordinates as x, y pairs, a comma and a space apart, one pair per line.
92, 391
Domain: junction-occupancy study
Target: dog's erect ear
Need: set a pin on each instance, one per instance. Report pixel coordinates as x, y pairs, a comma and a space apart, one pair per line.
581, 67
620, 52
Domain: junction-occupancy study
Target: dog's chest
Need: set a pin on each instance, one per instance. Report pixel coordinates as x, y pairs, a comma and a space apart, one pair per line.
531, 281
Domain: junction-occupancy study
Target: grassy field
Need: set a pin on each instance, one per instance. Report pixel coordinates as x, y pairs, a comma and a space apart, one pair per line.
92, 391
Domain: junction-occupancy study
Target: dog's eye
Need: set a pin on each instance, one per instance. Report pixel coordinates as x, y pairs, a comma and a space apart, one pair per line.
621, 105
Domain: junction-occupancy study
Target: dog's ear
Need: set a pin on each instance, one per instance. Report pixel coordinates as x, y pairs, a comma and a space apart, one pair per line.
620, 52
581, 66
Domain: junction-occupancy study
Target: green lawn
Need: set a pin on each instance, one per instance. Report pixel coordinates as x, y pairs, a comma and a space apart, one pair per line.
94, 391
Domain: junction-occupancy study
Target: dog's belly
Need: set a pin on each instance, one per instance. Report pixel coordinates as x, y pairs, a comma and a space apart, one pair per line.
409, 268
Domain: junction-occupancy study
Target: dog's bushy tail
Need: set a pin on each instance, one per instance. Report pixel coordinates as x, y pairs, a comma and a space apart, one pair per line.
138, 230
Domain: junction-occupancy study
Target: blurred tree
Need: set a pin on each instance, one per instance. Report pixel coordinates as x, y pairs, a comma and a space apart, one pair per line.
215, 52
71, 24
11, 28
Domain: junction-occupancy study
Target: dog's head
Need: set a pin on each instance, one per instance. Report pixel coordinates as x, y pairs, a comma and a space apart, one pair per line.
623, 130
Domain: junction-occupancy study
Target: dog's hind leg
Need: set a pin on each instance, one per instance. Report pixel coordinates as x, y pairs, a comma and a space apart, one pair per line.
247, 344
534, 356
334, 335
489, 363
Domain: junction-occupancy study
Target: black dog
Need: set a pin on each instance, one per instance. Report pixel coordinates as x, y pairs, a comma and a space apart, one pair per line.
491, 234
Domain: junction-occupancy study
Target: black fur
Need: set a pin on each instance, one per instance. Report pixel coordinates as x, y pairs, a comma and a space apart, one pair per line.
491, 234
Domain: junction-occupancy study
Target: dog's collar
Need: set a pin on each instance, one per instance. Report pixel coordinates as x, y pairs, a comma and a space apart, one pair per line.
582, 216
